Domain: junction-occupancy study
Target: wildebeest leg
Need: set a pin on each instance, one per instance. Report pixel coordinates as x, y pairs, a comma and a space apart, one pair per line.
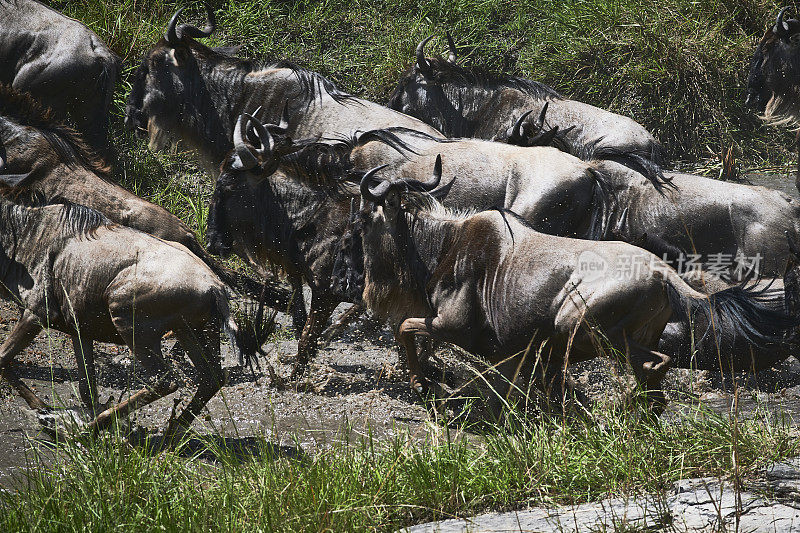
203, 350
335, 329
797, 149
298, 307
321, 309
649, 368
25, 330
87, 384
148, 353
406, 338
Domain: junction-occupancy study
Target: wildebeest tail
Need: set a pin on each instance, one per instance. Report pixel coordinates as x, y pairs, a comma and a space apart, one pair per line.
602, 205
740, 311
246, 335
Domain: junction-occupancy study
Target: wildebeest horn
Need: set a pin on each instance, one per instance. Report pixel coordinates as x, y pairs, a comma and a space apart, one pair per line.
377, 195
453, 50
781, 28
516, 131
247, 159
264, 136
172, 34
283, 127
176, 33
430, 185
422, 62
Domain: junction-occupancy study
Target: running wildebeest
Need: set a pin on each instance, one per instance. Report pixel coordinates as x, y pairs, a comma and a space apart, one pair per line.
491, 284
250, 212
61, 62
71, 269
729, 227
184, 91
262, 211
44, 160
468, 102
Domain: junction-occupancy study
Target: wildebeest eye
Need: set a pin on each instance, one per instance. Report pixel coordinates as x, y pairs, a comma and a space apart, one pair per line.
794, 38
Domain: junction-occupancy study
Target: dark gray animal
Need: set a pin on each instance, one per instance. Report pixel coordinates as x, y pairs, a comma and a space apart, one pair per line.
43, 160
184, 91
265, 210
61, 62
468, 102
69, 268
729, 225
773, 86
491, 284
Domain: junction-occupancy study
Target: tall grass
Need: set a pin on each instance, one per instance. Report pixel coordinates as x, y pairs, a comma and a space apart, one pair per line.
679, 67
105, 484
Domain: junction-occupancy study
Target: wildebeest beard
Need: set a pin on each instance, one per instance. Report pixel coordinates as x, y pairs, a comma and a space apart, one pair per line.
398, 265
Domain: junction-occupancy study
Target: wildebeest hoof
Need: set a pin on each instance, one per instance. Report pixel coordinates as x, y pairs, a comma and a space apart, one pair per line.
63, 422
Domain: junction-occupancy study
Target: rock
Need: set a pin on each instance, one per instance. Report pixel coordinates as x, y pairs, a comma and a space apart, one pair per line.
771, 503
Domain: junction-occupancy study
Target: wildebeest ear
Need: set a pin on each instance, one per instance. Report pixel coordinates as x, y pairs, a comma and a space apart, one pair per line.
178, 56
15, 180
228, 50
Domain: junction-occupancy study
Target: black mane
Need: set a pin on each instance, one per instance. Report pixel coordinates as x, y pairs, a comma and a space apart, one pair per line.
444, 72
22, 108
328, 164
80, 220
312, 83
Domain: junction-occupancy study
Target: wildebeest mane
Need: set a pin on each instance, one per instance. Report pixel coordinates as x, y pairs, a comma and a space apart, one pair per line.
80, 220
328, 163
443, 71
22, 108
312, 84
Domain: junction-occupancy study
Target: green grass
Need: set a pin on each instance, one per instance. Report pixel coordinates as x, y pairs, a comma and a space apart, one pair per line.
679, 67
105, 484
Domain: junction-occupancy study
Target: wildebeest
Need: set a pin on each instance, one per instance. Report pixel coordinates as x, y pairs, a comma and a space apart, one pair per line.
728, 227
262, 211
773, 86
555, 192
69, 268
469, 102
43, 159
491, 284
61, 62
186, 91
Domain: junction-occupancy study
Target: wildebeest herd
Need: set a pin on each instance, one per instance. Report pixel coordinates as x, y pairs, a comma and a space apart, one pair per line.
479, 209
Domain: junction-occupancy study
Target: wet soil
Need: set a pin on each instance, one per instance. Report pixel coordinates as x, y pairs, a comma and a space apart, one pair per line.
352, 389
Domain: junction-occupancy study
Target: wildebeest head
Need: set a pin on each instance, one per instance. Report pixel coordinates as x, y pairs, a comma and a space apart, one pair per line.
393, 272
773, 87
232, 215
169, 99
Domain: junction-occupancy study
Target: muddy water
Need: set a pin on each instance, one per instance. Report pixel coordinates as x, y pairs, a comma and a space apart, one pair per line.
350, 391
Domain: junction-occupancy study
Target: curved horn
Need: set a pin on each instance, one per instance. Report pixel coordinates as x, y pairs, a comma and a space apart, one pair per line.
377, 195
264, 136
283, 127
429, 185
453, 50
516, 131
781, 28
247, 159
172, 34
422, 62
195, 32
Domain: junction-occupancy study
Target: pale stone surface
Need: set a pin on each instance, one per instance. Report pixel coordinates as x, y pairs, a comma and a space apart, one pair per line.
768, 504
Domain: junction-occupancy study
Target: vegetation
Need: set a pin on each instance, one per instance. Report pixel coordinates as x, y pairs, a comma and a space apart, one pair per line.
679, 67
105, 484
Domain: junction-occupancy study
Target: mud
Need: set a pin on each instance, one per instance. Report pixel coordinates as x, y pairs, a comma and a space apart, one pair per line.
352, 390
